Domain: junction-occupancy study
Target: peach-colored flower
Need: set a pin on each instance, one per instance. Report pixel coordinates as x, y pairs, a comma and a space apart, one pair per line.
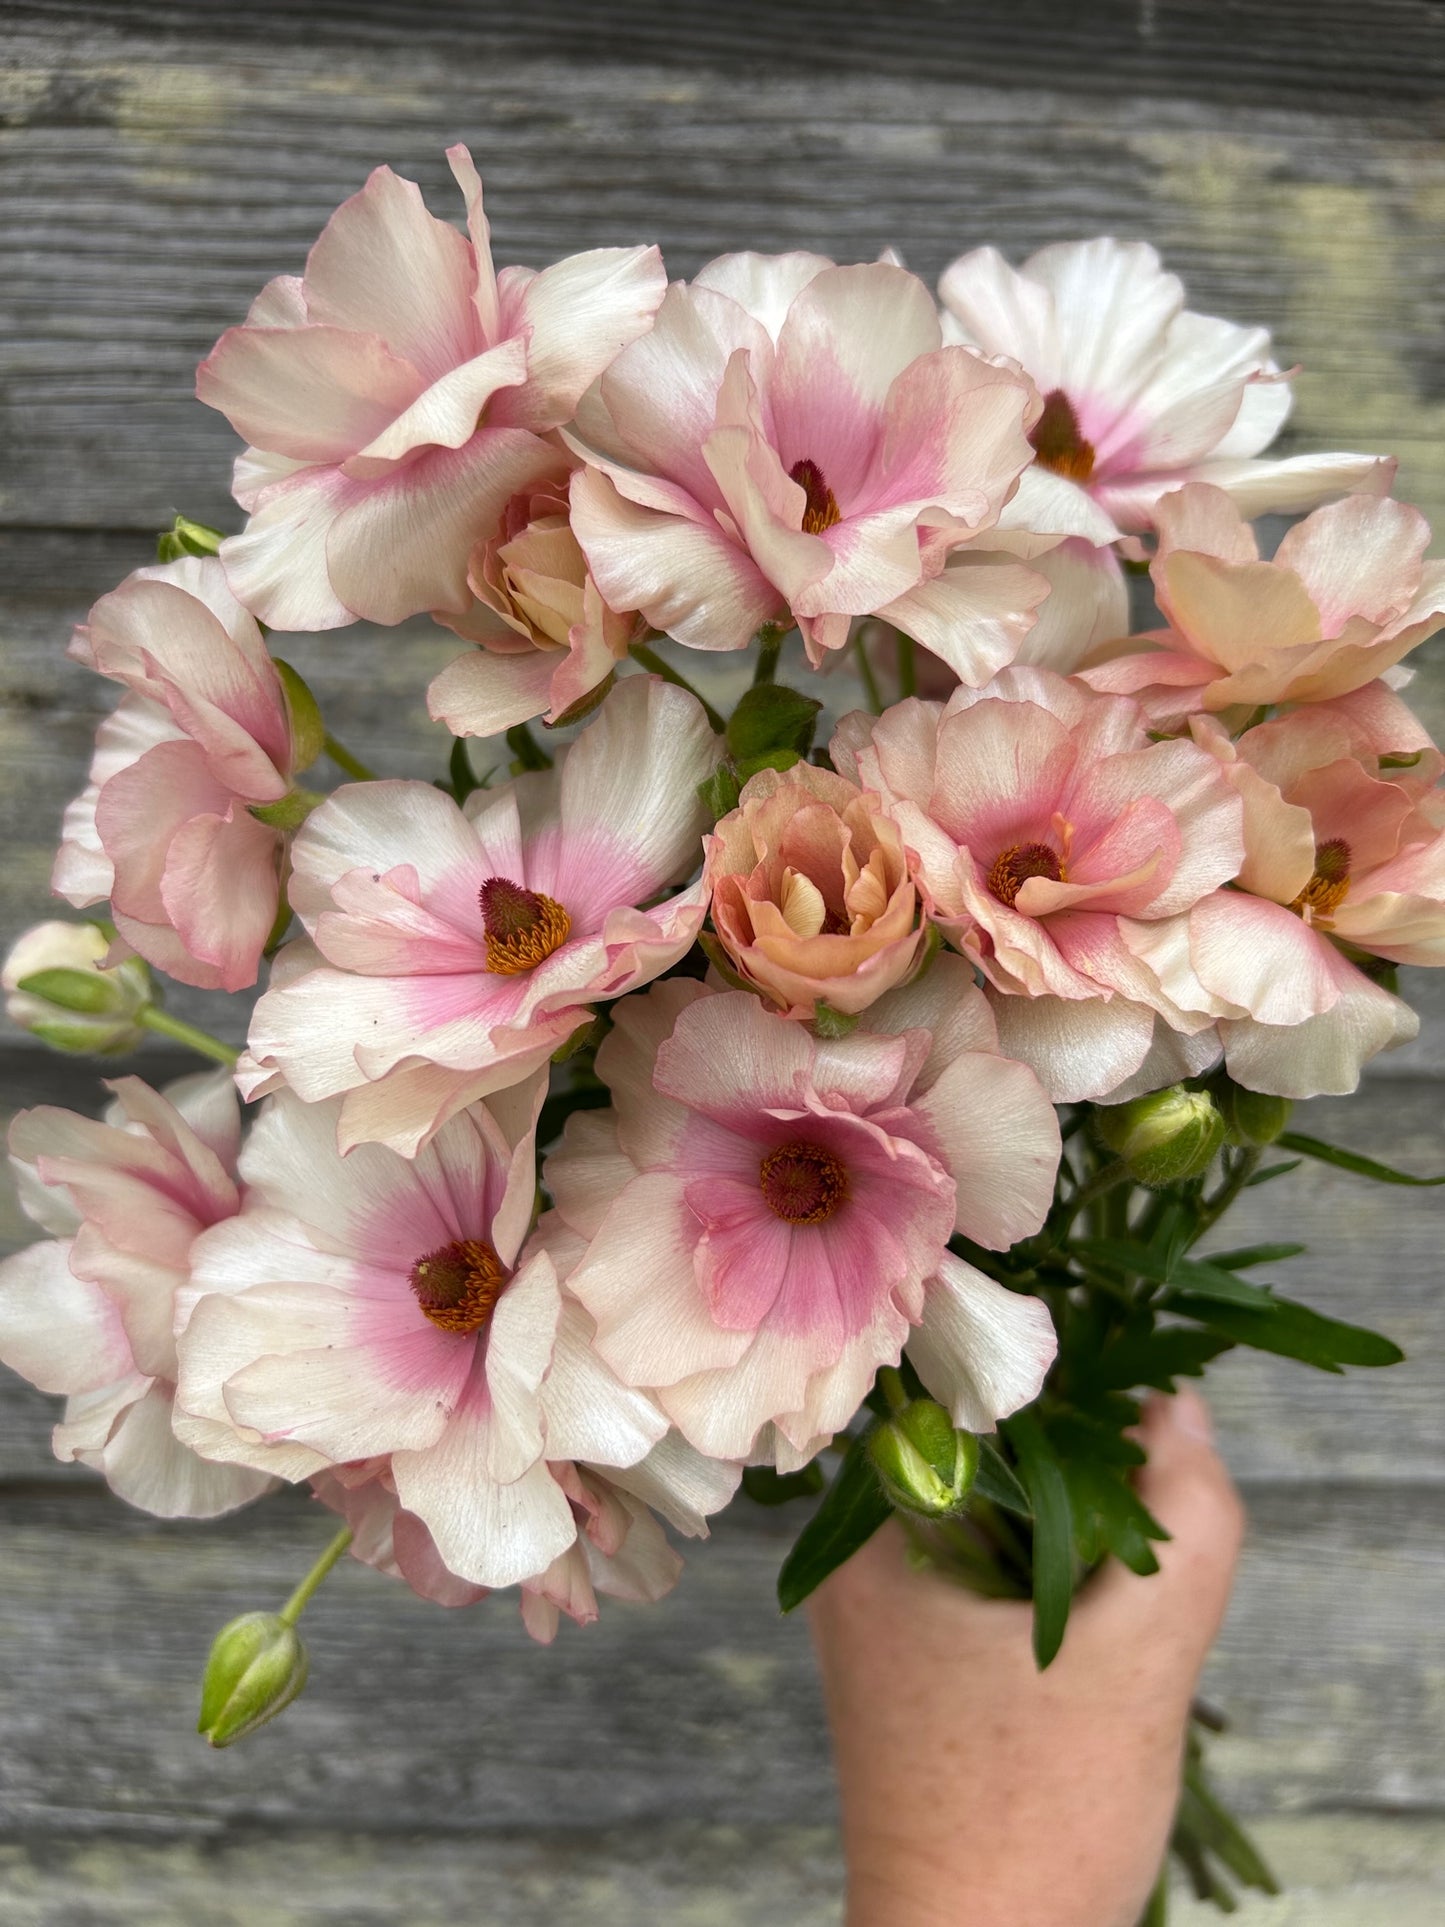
167, 828
768, 1215
91, 1313
546, 638
1346, 595
1140, 393
812, 892
794, 436
393, 397
1341, 862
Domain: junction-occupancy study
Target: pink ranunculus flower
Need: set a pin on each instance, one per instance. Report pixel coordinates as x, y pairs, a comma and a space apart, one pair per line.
455, 950
90, 1313
393, 396
380, 1308
1052, 838
1341, 862
546, 639
768, 1215
1346, 595
1140, 393
812, 892
167, 826
793, 436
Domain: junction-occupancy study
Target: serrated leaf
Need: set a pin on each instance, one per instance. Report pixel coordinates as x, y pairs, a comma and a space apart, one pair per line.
1362, 1167
851, 1511
527, 752
766, 1486
1108, 1515
1290, 1330
770, 716
1203, 1278
1156, 1358
1053, 1534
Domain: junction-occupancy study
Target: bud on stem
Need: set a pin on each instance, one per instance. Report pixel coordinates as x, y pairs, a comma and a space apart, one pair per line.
926, 1465
1163, 1138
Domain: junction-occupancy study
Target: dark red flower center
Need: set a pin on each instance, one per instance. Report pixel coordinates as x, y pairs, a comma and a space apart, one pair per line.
821, 510
458, 1285
1014, 866
1058, 442
522, 926
803, 1183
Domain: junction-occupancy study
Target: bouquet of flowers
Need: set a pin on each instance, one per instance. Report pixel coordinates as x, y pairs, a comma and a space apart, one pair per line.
681, 1103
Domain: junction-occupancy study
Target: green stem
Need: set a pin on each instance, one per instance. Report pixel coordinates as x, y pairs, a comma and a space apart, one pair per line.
1156, 1914
907, 667
1215, 1207
197, 1040
870, 681
770, 647
344, 760
1103, 1181
650, 659
890, 1383
297, 1603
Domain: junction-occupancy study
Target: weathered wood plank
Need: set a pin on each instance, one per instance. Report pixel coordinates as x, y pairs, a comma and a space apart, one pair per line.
706, 1705
1339, 1870
134, 236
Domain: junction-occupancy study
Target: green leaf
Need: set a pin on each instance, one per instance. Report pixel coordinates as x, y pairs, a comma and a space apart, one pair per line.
1248, 1256
1290, 1331
770, 716
719, 792
527, 752
995, 1481
464, 781
1154, 1358
1272, 1171
779, 759
1363, 1167
851, 1511
1204, 1279
830, 1024
1108, 1515
1053, 1534
768, 1487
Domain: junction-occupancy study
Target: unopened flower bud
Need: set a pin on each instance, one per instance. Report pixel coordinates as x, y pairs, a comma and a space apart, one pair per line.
926, 1464
1251, 1117
1165, 1137
258, 1665
56, 988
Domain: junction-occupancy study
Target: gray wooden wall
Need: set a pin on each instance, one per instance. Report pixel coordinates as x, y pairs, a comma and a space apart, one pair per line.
159, 161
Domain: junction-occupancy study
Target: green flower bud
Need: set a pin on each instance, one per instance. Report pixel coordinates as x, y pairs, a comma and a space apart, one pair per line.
1165, 1137
288, 812
258, 1665
926, 1464
308, 731
185, 537
57, 988
1251, 1117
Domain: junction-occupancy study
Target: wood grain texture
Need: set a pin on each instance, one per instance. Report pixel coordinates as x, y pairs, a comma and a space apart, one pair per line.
1343, 1871
159, 161
157, 169
706, 1705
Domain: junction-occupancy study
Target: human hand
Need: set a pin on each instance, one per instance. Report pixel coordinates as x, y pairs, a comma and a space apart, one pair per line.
979, 1792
